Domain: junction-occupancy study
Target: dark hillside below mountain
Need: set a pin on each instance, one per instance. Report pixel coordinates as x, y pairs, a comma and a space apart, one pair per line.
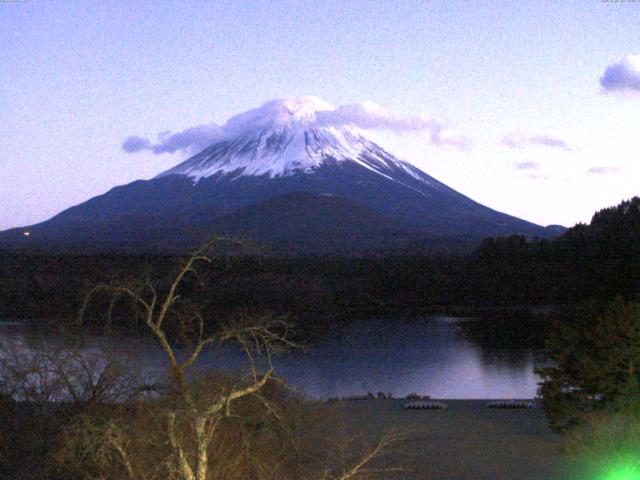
596, 261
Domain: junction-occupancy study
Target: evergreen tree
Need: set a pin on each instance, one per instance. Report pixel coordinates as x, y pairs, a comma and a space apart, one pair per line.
597, 363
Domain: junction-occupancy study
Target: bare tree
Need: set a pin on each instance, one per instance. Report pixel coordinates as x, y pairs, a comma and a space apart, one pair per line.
195, 444
46, 372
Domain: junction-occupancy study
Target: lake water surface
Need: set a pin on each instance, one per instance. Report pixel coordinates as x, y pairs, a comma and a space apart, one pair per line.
435, 356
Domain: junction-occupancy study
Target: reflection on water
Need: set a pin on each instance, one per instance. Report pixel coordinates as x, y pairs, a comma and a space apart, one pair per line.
437, 356
430, 357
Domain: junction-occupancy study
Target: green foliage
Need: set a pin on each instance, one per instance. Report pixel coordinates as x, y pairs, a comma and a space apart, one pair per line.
606, 444
597, 362
595, 261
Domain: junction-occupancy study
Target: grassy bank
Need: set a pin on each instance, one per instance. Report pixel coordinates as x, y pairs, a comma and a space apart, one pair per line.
465, 441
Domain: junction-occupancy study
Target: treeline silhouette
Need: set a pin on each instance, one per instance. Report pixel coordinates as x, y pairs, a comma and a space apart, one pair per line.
595, 261
598, 261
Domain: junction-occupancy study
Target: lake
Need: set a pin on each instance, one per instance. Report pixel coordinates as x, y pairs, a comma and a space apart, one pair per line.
438, 356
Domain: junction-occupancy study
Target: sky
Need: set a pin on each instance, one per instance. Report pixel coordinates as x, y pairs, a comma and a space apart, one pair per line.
540, 100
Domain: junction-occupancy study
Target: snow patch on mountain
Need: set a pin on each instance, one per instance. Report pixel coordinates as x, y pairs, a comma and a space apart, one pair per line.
287, 137
284, 151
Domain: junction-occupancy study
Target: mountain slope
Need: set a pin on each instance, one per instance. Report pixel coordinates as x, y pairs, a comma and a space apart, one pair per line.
287, 150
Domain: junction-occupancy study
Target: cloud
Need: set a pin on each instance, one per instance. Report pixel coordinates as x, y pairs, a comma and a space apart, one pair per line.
191, 140
604, 170
535, 176
521, 141
527, 165
623, 76
282, 112
442, 137
135, 144
370, 116
547, 141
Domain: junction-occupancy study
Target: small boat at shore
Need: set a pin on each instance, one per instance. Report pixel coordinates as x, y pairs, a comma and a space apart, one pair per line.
510, 404
425, 405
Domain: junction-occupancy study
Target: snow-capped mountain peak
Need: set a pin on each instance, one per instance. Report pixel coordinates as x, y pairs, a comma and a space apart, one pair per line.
279, 113
285, 137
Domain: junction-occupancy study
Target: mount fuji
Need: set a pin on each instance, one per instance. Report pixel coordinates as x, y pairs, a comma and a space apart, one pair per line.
287, 175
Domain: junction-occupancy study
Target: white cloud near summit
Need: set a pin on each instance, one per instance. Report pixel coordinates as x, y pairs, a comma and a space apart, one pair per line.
191, 140
368, 115
278, 113
622, 76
